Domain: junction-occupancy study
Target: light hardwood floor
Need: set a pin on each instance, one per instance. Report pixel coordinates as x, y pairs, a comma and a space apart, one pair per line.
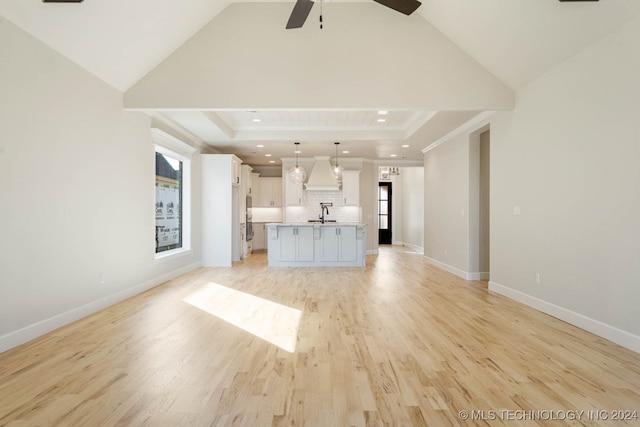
398, 343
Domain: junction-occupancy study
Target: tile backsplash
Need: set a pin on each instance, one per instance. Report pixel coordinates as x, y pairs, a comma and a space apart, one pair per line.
311, 208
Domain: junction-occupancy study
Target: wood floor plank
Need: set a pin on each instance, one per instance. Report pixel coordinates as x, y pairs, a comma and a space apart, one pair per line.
397, 343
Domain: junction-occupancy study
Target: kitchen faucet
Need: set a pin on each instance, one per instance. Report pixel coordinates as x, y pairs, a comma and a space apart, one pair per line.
324, 207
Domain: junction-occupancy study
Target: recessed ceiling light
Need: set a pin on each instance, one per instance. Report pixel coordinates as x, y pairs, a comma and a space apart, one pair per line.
272, 161
383, 112
267, 155
382, 120
256, 120
345, 151
405, 146
297, 151
260, 146
393, 155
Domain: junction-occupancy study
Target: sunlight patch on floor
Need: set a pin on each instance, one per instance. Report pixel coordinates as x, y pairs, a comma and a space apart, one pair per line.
270, 321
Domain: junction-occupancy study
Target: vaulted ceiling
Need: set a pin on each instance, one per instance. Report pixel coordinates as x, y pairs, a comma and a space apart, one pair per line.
122, 41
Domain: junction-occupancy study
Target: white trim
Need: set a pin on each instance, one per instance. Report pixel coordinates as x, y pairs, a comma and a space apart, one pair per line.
473, 124
611, 333
446, 267
172, 147
163, 120
416, 248
400, 163
172, 254
458, 272
37, 329
161, 138
482, 275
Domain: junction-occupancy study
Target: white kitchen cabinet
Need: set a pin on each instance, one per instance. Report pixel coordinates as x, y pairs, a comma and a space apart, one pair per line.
270, 194
236, 171
245, 189
246, 179
259, 236
338, 243
296, 243
293, 195
255, 186
351, 188
221, 237
317, 245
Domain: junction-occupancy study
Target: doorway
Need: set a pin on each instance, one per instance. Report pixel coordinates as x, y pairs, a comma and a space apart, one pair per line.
384, 213
479, 204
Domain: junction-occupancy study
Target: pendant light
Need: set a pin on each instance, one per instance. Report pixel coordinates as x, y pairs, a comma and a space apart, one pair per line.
297, 174
336, 171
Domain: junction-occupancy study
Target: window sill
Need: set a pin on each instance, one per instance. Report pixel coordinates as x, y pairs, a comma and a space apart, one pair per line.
172, 254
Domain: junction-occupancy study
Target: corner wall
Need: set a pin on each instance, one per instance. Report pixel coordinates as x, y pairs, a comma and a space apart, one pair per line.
409, 206
568, 156
446, 205
77, 194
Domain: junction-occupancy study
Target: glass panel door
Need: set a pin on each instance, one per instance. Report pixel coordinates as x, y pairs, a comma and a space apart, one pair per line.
384, 213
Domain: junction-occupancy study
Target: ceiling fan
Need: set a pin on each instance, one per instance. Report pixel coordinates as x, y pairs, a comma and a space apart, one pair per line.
302, 8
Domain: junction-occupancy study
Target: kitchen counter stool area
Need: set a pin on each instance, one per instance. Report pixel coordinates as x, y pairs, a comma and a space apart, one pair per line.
316, 245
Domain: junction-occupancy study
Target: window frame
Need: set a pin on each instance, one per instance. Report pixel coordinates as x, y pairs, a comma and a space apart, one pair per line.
173, 147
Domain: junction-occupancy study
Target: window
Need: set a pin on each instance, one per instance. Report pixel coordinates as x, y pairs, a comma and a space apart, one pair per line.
172, 195
169, 188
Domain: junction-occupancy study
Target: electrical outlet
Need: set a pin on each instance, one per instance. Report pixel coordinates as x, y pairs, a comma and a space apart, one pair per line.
102, 278
538, 278
446, 252
516, 210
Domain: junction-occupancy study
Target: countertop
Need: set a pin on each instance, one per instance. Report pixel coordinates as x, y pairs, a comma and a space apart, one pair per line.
312, 224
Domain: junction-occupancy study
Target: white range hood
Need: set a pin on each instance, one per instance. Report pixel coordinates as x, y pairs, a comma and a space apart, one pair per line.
321, 178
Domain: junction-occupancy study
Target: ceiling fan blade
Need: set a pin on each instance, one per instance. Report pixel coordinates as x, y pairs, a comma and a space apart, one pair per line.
403, 6
299, 13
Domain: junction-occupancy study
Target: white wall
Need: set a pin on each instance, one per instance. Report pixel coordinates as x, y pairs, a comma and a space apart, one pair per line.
76, 193
446, 205
408, 193
569, 157
260, 64
369, 203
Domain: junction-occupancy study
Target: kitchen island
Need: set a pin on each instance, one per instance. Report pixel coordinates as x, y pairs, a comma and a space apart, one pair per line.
329, 244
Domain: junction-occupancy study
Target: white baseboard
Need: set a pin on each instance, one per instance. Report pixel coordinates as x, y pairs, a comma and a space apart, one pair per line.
611, 333
446, 267
455, 270
21, 336
482, 275
415, 248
